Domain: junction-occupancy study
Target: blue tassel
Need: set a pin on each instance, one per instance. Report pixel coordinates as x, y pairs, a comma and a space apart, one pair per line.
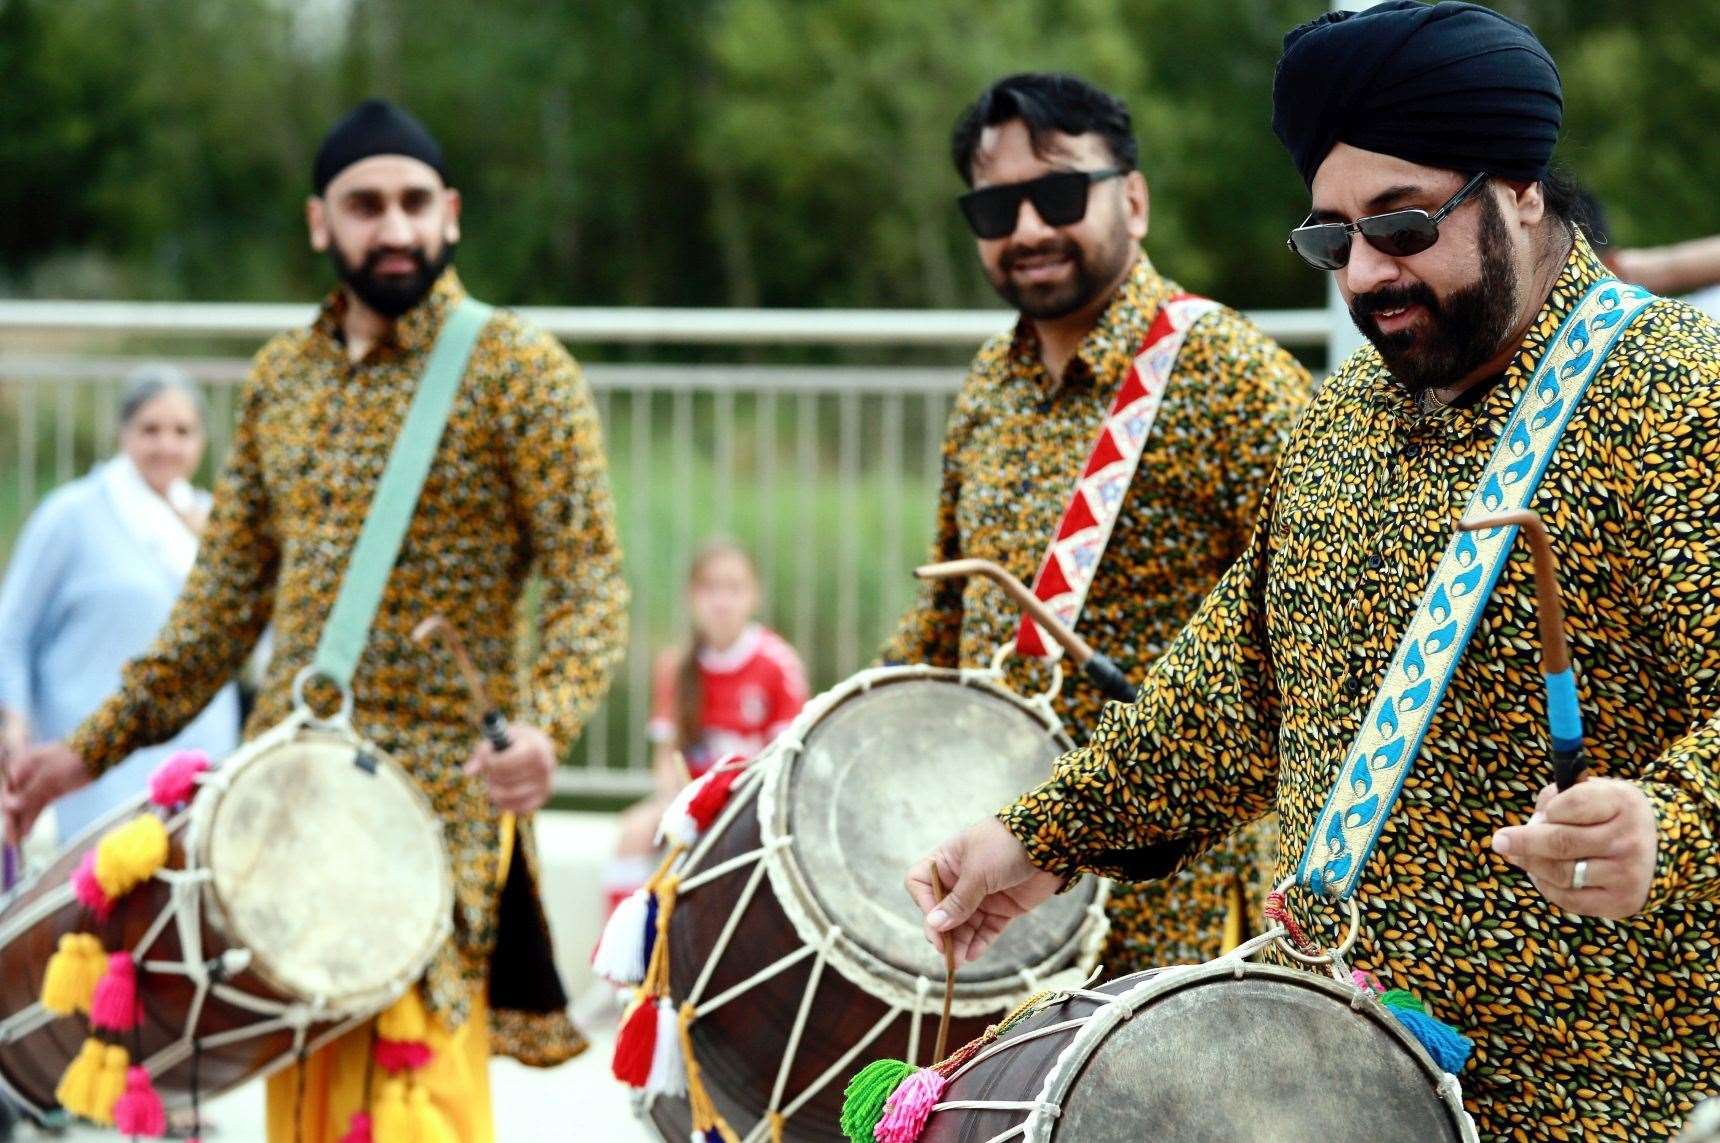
1449, 1048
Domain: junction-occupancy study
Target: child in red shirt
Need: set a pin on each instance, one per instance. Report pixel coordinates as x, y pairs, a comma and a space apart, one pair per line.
732, 689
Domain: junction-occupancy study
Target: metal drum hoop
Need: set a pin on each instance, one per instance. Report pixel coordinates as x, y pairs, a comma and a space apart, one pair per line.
1060, 1078
815, 927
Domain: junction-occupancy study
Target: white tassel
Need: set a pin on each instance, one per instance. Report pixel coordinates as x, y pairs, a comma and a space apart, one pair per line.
620, 955
677, 826
668, 1069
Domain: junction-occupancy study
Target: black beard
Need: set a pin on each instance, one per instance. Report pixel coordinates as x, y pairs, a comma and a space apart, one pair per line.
1463, 331
391, 294
1050, 301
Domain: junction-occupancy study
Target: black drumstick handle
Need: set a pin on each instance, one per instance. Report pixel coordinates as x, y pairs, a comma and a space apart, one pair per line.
1109, 678
495, 730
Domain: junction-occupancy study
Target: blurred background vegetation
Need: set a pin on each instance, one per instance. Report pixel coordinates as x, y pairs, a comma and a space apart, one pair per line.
719, 152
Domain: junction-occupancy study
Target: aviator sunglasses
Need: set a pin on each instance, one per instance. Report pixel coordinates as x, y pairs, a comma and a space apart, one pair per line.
1060, 199
1399, 233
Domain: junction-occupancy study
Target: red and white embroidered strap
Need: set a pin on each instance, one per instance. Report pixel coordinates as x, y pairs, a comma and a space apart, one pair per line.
1075, 552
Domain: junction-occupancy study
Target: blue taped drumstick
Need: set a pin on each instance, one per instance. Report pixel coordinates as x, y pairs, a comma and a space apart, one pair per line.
1564, 712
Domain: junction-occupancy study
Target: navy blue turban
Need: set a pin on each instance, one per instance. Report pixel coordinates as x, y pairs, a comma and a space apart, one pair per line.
374, 127
1448, 85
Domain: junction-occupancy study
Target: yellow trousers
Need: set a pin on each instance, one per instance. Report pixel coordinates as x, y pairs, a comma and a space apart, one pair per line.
457, 1079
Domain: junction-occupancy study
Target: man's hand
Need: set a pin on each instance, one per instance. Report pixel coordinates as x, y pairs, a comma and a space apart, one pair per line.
1607, 824
35, 779
14, 739
519, 778
993, 883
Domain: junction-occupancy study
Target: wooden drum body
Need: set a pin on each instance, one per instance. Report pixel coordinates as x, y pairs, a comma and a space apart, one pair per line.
307, 887
792, 935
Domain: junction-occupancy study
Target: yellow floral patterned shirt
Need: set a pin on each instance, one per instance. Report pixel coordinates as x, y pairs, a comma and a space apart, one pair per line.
1015, 444
519, 485
1584, 1028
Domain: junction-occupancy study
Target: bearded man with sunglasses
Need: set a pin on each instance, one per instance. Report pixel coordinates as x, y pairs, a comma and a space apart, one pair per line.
1168, 409
1373, 676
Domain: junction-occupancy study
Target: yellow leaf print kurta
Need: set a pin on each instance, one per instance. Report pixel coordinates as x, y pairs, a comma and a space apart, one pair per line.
519, 484
1015, 444
1584, 1028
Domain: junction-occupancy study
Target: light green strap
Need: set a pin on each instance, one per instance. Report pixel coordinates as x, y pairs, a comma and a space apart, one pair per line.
391, 508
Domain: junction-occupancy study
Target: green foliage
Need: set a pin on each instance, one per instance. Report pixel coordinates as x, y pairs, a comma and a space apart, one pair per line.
683, 152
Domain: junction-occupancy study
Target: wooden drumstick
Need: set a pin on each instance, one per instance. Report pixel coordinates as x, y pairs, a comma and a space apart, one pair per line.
1564, 714
949, 976
1100, 669
490, 721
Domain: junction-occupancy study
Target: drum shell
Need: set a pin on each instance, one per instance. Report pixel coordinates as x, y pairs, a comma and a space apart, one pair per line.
32, 1064
738, 1076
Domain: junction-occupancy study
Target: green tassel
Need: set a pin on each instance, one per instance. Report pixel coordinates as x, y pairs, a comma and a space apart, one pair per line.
863, 1102
1402, 998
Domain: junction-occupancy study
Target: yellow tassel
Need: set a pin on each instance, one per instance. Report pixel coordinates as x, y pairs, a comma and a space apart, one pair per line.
91, 967
405, 1019
130, 854
62, 991
78, 1083
109, 1085
427, 1119
390, 1121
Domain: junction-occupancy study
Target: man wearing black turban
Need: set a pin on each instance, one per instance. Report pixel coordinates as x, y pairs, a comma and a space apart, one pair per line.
518, 489
1571, 934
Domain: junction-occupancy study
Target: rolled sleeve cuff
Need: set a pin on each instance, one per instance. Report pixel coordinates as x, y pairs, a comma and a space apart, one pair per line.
1683, 859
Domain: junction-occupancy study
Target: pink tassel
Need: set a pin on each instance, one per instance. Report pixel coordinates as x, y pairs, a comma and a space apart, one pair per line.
357, 1129
88, 890
139, 1110
114, 1005
401, 1055
175, 781
909, 1106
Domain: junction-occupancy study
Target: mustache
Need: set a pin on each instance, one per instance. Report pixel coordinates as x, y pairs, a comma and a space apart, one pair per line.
420, 259
1394, 298
1056, 248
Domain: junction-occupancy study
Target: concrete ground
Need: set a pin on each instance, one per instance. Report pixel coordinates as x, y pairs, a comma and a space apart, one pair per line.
577, 1101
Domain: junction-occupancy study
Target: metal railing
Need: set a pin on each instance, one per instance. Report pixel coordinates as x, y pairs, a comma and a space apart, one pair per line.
827, 473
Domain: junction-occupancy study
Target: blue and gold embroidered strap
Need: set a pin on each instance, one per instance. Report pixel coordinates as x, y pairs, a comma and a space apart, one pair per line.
1391, 734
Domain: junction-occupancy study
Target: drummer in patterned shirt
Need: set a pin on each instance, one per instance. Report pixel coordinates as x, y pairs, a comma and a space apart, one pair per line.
1059, 210
519, 485
1572, 934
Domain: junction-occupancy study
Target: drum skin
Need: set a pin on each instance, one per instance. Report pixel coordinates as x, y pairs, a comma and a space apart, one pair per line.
741, 1044
1271, 1055
32, 1065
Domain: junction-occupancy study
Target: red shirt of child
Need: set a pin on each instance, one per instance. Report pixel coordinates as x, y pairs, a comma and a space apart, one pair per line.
750, 692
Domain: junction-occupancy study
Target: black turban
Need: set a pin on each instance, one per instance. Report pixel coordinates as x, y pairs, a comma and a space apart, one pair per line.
1448, 85
374, 127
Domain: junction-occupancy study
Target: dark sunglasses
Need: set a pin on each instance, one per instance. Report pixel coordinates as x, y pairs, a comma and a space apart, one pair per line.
1060, 199
1399, 233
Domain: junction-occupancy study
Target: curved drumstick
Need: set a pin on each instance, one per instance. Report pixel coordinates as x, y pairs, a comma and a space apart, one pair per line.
949, 976
490, 720
1564, 713
1095, 666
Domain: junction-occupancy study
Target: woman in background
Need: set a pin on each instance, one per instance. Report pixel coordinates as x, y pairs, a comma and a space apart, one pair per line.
731, 689
92, 579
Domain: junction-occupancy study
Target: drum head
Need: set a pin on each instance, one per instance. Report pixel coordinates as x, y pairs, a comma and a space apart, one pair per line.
329, 867
895, 769
1278, 1054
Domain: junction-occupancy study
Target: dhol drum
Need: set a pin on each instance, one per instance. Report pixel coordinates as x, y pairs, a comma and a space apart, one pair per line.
792, 938
307, 886
1231, 1051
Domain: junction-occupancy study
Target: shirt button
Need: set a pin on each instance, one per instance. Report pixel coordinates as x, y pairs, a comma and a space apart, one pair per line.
1376, 562
1352, 687
1043, 406
1411, 452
